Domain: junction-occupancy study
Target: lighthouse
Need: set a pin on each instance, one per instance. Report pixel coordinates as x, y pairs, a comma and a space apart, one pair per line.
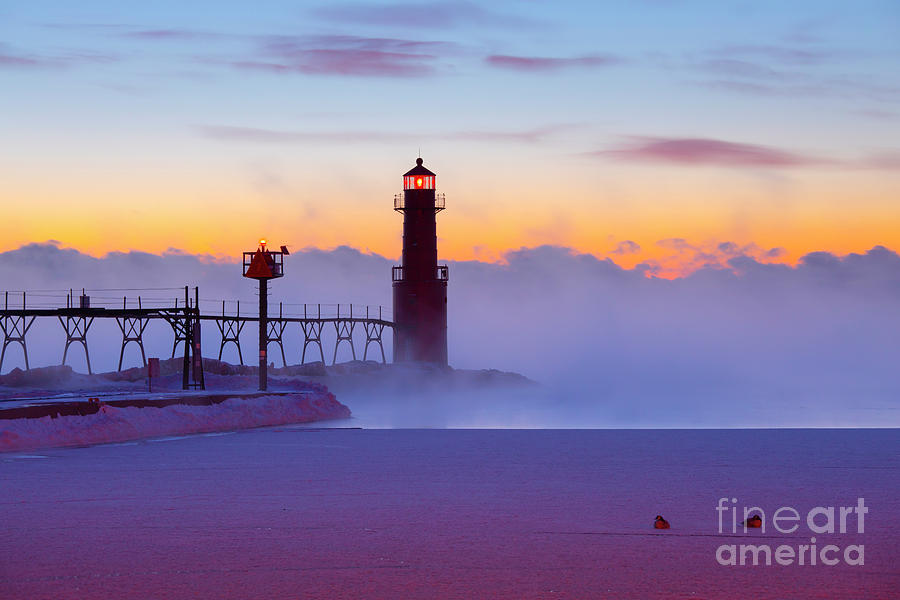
420, 284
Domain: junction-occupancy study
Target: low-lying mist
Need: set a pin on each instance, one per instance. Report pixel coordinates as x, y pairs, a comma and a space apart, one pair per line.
753, 345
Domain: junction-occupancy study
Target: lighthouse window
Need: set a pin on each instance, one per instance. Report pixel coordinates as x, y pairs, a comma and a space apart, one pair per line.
418, 182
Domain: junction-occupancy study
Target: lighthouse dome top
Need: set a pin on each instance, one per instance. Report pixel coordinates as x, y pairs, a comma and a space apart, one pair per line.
418, 170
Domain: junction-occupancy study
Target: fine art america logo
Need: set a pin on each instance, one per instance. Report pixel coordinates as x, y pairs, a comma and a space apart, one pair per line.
820, 520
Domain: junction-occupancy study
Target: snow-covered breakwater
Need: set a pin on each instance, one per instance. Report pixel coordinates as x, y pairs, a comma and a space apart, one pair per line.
118, 424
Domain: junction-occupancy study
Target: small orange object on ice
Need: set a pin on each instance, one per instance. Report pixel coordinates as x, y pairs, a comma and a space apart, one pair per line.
660, 523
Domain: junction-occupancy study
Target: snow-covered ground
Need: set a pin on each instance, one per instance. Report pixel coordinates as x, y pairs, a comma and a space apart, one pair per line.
118, 424
391, 395
292, 512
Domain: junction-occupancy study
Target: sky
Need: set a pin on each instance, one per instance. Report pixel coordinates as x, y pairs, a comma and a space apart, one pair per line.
661, 210
666, 136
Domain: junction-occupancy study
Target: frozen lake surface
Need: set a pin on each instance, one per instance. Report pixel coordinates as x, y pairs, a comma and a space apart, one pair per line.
297, 512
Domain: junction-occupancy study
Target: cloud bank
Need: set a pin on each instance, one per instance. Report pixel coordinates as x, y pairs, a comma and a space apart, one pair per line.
752, 343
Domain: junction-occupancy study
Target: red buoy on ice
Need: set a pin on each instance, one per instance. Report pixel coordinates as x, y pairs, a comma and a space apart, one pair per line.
754, 521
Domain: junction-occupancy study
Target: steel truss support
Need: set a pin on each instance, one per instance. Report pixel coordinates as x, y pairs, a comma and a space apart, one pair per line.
373, 336
14, 330
178, 328
230, 330
76, 333
179, 337
132, 331
185, 324
344, 330
312, 334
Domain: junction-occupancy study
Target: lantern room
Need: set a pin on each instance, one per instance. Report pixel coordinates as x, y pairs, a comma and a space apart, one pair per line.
418, 178
264, 263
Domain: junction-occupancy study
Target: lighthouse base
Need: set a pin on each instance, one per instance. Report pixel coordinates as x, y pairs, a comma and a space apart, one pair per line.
420, 321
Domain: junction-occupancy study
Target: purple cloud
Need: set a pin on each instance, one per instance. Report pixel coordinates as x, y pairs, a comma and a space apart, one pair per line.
168, 34
347, 55
19, 61
23, 62
432, 15
288, 45
544, 63
16, 60
686, 257
626, 247
889, 161
785, 71
728, 248
348, 62
704, 151
711, 152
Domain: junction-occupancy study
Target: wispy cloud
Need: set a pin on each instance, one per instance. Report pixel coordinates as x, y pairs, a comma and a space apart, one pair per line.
720, 153
756, 88
705, 151
802, 86
518, 136
169, 34
881, 115
546, 63
277, 136
10, 59
431, 15
346, 55
349, 55
781, 54
788, 71
888, 161
14, 61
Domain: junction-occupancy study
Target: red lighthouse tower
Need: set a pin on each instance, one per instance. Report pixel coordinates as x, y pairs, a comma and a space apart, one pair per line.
420, 284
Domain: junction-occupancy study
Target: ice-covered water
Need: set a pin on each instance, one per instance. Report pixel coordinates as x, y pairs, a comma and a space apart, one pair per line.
343, 513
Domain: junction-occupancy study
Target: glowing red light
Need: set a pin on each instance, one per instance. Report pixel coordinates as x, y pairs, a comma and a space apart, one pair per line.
419, 182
